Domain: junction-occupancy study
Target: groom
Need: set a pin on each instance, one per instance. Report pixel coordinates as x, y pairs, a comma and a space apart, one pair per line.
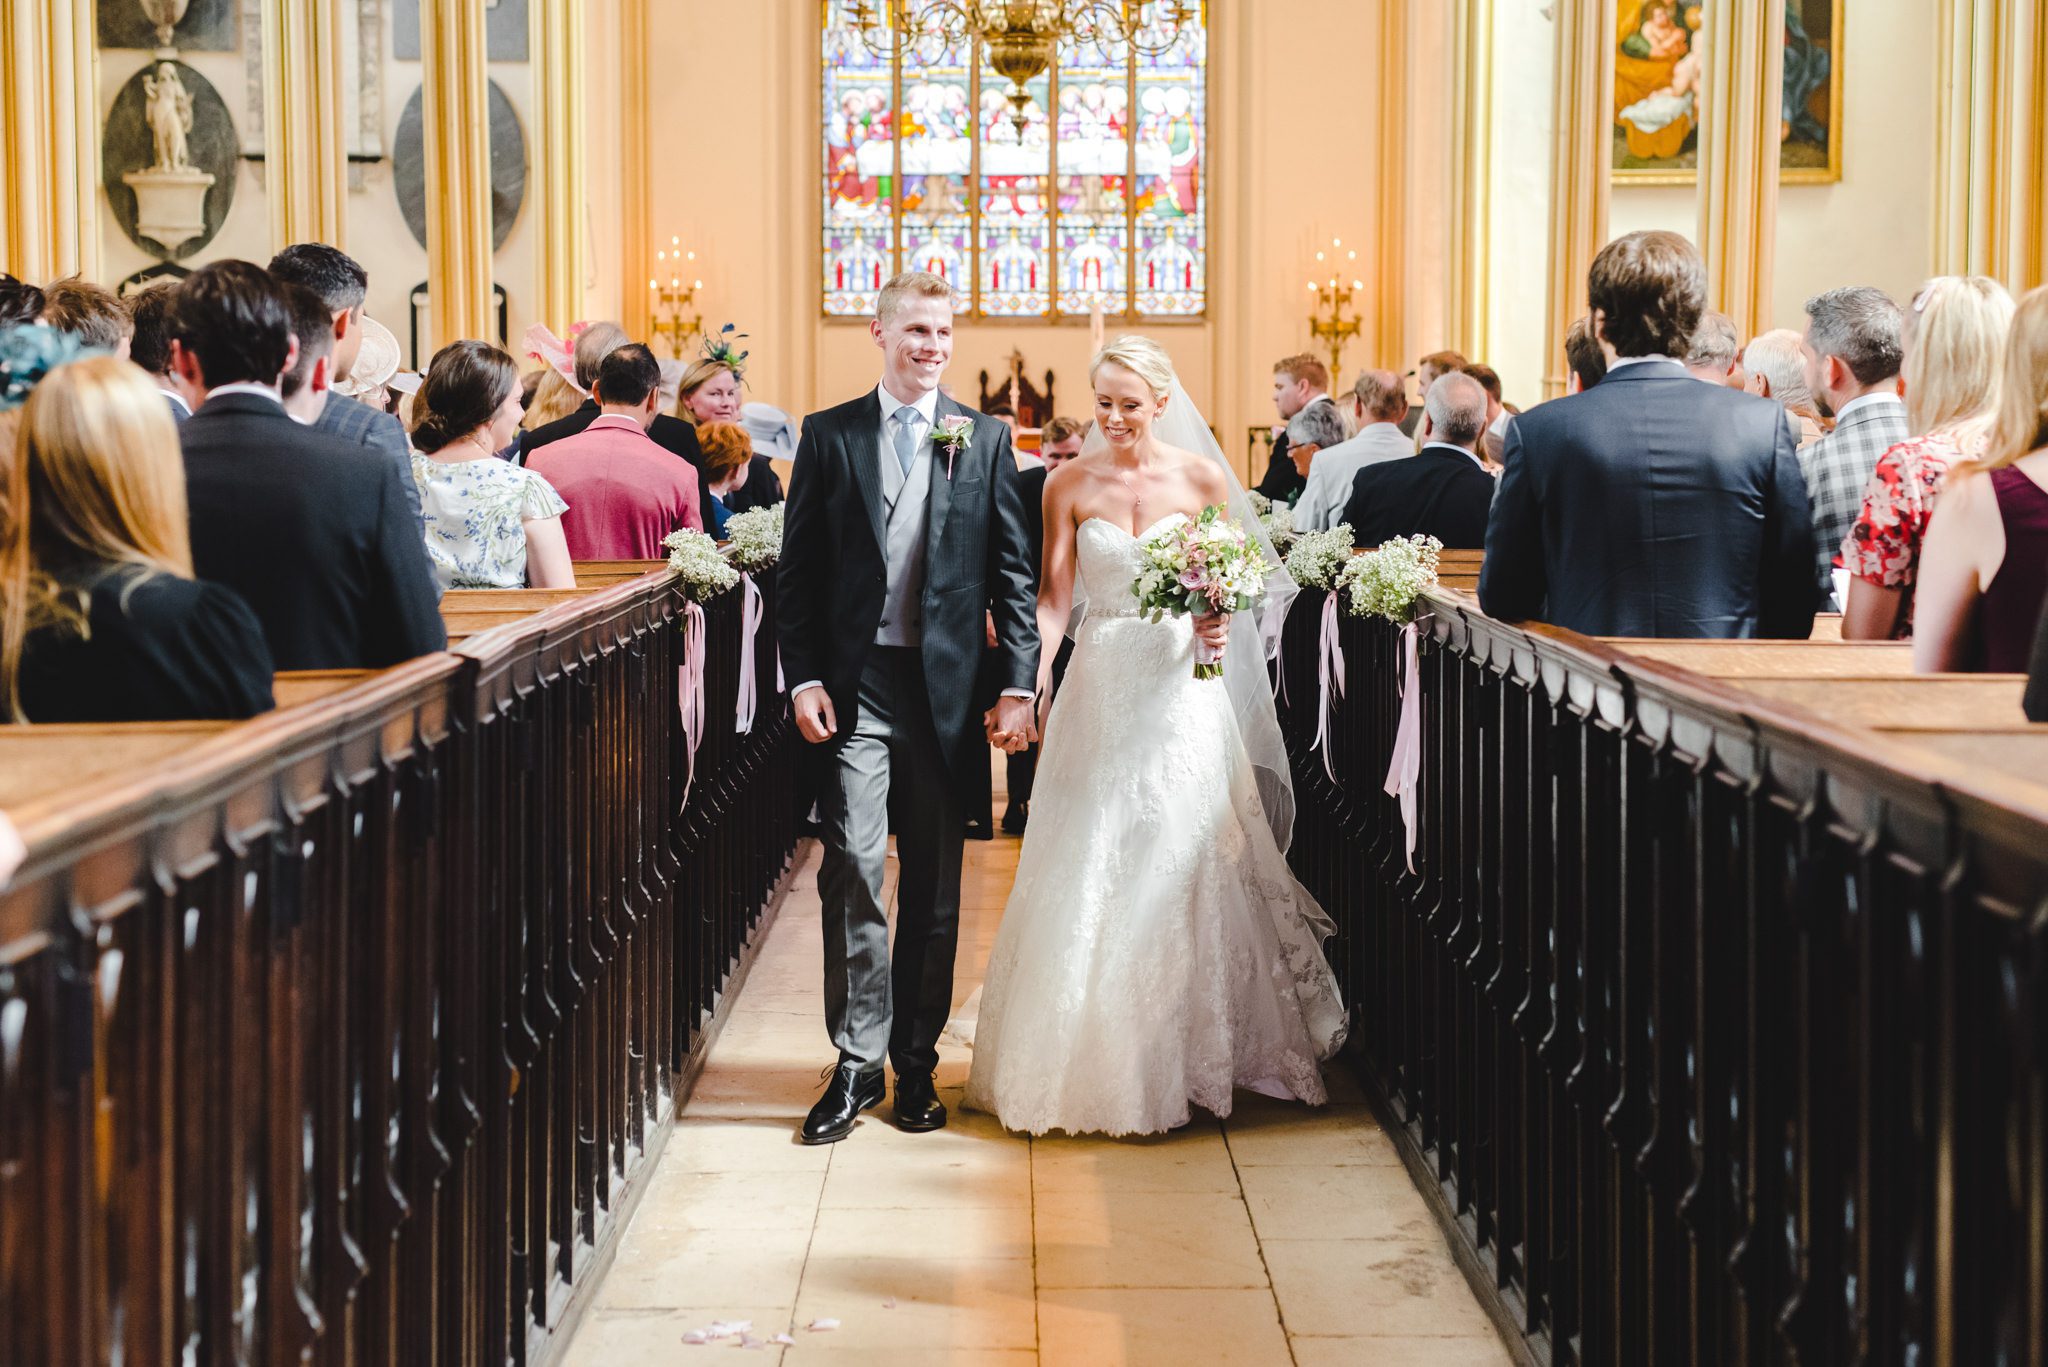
904, 532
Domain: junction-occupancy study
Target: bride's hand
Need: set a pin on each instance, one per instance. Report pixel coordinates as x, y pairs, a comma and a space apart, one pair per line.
1213, 631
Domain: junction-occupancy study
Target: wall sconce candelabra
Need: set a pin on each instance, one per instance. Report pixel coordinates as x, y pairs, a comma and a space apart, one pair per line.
676, 319
1329, 321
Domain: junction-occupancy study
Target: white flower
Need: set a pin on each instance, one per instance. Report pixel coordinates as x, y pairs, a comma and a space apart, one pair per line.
1317, 558
694, 559
1261, 505
755, 538
1387, 581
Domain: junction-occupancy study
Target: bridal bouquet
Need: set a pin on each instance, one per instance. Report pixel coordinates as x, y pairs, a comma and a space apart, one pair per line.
1204, 567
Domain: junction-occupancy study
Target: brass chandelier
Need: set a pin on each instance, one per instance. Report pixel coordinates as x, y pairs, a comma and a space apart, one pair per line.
1022, 36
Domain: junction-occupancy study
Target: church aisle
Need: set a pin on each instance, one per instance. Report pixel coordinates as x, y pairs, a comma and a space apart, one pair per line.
1280, 1236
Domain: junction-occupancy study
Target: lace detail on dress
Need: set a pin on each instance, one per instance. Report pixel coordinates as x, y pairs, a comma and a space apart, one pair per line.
1157, 951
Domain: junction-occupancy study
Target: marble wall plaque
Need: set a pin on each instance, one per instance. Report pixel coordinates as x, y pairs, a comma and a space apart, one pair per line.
211, 146
508, 167
208, 26
504, 30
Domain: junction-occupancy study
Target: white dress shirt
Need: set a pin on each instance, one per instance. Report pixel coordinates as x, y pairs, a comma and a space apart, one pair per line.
1331, 471
264, 391
175, 397
1621, 361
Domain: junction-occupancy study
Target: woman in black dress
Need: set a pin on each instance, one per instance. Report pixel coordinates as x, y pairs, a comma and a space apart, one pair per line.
100, 618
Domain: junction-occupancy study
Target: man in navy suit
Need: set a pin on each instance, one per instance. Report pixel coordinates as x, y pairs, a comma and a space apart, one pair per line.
1652, 504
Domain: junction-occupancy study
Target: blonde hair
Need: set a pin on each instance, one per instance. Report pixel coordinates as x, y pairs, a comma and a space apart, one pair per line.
553, 400
1141, 356
694, 379
2021, 426
1955, 346
95, 478
910, 285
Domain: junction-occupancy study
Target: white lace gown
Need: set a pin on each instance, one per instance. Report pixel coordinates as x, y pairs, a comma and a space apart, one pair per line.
1156, 951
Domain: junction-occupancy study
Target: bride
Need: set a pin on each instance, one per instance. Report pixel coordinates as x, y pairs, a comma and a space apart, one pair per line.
1156, 952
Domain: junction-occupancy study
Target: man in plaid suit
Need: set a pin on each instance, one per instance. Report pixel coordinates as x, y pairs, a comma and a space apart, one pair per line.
1853, 352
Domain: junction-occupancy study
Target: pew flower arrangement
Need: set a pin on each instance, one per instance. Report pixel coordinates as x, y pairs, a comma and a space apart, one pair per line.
1261, 505
1318, 558
1386, 582
754, 538
694, 558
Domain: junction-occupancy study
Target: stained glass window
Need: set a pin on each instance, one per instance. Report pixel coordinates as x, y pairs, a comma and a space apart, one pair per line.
1095, 201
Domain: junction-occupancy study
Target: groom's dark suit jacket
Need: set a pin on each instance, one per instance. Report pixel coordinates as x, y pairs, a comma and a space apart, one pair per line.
833, 576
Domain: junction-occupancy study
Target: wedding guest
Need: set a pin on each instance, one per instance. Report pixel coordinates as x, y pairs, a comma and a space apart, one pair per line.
593, 345
344, 286
1314, 429
1651, 504
307, 386
1059, 442
555, 397
710, 392
1497, 413
1380, 401
490, 524
1298, 381
727, 453
150, 347
1774, 367
1984, 565
1443, 490
92, 314
1426, 372
101, 619
1955, 348
625, 493
20, 302
1583, 357
375, 380
1716, 352
1852, 354
319, 541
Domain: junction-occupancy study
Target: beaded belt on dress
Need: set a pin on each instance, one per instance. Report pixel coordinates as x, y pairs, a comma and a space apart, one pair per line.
1131, 611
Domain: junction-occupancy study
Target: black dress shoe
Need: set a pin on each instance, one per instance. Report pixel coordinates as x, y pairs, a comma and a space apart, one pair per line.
981, 830
918, 1107
1014, 817
848, 1094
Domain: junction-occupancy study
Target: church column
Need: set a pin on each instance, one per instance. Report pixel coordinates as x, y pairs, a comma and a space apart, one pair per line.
305, 147
558, 153
1390, 198
635, 145
49, 140
1742, 110
1991, 137
455, 106
1582, 107
1471, 251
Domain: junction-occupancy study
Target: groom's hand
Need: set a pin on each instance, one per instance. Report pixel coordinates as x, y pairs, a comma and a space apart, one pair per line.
1009, 725
814, 719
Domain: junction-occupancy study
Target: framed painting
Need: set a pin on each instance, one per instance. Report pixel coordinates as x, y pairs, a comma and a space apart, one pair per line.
1657, 61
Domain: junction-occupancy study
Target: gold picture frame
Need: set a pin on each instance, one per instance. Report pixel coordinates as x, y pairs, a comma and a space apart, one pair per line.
1648, 59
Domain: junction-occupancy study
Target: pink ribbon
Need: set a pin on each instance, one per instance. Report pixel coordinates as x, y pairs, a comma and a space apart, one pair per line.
752, 609
1404, 773
1329, 669
690, 687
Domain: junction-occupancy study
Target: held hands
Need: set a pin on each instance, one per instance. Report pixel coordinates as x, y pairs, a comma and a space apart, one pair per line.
814, 719
1010, 725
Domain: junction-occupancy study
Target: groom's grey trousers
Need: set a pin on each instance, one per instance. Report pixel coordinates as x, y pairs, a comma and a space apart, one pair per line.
891, 763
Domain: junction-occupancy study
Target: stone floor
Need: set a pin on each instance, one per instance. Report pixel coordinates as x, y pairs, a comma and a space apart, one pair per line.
1280, 1236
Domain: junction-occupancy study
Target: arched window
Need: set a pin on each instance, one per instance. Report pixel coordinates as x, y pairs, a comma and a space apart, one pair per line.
925, 169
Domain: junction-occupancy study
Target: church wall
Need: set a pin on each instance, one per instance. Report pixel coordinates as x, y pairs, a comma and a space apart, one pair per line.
1293, 160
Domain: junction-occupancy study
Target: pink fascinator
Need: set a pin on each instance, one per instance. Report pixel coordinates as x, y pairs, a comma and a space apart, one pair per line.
553, 352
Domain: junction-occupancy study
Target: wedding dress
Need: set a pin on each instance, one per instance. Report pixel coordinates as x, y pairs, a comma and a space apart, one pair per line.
1157, 951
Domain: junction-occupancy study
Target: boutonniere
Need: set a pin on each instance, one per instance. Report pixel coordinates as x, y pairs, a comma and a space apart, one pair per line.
950, 435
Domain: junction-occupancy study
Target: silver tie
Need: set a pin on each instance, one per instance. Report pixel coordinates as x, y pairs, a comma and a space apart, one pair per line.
906, 437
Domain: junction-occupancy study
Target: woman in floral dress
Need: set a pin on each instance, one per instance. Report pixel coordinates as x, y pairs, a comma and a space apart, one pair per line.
490, 524
1955, 347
